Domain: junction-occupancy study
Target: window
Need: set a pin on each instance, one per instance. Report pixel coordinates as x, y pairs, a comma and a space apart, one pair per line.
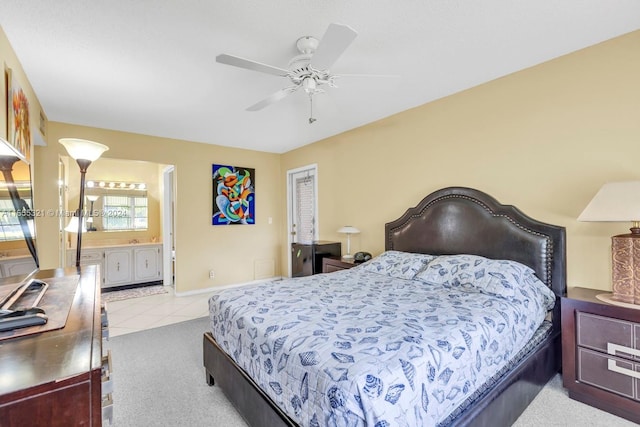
125, 213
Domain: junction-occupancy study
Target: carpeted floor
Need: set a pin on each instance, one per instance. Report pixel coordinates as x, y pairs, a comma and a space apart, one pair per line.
160, 382
143, 291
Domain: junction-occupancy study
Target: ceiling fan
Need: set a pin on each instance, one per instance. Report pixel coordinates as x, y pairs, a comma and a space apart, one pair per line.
309, 70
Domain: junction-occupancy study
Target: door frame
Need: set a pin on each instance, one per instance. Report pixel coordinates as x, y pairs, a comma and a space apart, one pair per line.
311, 167
168, 225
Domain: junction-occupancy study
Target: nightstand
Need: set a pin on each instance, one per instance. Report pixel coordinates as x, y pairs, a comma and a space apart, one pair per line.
331, 264
601, 353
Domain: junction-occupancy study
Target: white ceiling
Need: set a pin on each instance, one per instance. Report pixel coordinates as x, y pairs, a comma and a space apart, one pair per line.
148, 66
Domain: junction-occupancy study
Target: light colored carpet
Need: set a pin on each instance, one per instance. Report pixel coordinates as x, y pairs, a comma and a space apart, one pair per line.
160, 381
143, 291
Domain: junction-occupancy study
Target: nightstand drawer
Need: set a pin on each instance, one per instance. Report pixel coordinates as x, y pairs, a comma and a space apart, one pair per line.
328, 268
329, 265
596, 332
593, 368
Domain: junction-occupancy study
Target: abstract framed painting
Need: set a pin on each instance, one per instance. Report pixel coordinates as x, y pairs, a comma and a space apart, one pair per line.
18, 128
234, 199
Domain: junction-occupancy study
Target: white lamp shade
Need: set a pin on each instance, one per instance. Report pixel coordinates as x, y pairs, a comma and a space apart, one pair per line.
347, 229
92, 197
615, 202
72, 227
83, 148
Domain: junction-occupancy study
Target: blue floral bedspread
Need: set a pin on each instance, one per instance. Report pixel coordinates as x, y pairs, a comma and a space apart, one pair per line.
356, 348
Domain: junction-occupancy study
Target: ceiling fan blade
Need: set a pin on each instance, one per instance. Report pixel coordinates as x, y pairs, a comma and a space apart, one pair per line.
335, 41
273, 98
236, 61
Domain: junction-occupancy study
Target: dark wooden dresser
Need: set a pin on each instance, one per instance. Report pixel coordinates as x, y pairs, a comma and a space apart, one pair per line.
55, 378
601, 353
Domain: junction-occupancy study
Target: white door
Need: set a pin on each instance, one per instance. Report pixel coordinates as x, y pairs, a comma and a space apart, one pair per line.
302, 198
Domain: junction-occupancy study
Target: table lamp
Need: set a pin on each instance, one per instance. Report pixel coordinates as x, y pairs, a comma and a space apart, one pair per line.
348, 230
620, 202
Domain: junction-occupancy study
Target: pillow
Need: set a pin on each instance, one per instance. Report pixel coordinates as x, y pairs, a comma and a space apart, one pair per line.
404, 265
502, 278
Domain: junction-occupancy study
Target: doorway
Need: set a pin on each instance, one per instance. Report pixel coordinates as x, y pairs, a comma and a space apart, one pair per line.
302, 206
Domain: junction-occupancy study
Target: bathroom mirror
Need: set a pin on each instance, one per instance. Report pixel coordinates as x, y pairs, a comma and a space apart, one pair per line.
116, 206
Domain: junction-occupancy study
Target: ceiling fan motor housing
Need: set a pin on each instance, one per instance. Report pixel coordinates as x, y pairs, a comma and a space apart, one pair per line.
307, 44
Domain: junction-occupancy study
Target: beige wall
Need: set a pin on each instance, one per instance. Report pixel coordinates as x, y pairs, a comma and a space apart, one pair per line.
107, 169
230, 251
11, 62
544, 139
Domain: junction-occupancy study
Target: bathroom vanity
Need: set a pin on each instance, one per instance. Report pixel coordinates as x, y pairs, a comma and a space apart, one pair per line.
123, 265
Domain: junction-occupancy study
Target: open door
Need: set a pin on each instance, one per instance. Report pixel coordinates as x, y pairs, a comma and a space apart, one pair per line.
302, 198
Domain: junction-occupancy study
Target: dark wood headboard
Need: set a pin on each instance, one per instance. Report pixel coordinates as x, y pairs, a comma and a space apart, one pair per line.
459, 220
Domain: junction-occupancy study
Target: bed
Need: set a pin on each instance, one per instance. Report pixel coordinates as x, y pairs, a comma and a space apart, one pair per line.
448, 222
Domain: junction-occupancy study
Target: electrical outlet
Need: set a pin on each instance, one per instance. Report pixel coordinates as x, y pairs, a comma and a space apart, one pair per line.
212, 274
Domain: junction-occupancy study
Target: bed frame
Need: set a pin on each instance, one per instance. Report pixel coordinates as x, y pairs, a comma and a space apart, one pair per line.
449, 221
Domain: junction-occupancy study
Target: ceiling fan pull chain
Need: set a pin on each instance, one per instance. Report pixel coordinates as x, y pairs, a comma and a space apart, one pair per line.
311, 119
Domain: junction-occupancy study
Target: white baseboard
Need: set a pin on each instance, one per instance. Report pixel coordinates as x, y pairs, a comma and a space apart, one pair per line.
217, 288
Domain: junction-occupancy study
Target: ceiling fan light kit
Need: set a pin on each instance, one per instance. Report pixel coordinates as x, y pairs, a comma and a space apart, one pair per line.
309, 69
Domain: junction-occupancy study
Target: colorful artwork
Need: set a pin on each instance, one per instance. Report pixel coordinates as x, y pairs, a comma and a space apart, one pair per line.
18, 117
233, 195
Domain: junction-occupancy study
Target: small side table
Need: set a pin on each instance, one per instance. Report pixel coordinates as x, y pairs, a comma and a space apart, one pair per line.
601, 353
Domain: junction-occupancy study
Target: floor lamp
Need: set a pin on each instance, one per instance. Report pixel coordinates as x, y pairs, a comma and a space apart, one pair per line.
83, 152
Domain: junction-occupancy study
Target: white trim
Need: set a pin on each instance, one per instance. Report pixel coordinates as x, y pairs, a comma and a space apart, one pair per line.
168, 229
231, 286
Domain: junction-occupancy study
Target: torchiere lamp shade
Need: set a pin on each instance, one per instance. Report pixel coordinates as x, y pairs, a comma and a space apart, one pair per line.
620, 202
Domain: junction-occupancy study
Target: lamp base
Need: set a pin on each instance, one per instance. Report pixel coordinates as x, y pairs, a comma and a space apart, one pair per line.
625, 252
347, 256
608, 298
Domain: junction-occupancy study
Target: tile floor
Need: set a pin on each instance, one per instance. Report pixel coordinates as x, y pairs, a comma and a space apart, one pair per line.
136, 314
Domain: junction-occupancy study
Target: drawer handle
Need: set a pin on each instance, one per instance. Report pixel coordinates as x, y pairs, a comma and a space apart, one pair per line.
611, 364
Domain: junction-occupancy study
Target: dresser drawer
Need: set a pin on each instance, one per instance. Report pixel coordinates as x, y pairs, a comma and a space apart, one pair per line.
90, 257
596, 332
593, 369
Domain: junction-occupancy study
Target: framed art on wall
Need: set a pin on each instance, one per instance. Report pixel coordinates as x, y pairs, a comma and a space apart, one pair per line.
18, 128
233, 195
